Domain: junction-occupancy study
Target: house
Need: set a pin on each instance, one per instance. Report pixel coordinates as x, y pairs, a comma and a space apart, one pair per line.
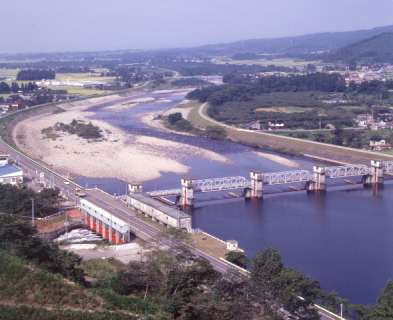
8, 172
16, 104
276, 124
354, 79
330, 126
5, 106
254, 125
384, 114
378, 144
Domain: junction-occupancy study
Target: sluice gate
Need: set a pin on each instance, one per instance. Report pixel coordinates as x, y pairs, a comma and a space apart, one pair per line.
315, 180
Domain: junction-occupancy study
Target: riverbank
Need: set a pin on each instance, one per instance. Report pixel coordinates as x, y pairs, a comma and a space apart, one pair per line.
117, 154
323, 151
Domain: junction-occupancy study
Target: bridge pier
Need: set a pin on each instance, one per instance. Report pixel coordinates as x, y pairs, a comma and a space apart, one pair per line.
187, 192
319, 177
257, 183
376, 175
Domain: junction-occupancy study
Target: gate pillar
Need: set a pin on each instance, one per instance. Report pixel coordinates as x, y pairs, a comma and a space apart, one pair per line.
187, 192
376, 174
257, 183
319, 182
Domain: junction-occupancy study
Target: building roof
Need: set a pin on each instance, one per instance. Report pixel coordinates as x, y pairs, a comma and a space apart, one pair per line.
253, 122
177, 214
74, 213
376, 139
9, 169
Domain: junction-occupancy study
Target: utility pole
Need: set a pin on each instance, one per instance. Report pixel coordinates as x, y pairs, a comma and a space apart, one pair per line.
32, 211
111, 233
66, 225
75, 196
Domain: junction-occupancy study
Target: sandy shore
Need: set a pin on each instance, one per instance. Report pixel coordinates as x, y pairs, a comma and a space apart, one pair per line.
184, 112
278, 159
118, 155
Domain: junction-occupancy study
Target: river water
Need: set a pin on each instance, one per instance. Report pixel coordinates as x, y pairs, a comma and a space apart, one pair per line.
342, 237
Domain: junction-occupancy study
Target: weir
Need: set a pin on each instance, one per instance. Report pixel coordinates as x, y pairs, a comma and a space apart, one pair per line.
315, 180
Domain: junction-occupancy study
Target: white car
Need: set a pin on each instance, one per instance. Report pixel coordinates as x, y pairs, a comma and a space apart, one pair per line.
66, 182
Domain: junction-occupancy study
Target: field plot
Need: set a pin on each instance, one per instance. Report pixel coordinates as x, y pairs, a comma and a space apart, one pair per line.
281, 63
284, 109
76, 91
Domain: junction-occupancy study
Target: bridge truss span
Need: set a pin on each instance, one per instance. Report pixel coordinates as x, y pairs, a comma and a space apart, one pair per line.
347, 171
388, 166
218, 184
163, 193
287, 177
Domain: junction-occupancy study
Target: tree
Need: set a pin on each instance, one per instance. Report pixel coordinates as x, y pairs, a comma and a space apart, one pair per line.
174, 117
215, 132
311, 67
273, 281
14, 87
4, 87
384, 93
352, 65
18, 238
238, 258
384, 307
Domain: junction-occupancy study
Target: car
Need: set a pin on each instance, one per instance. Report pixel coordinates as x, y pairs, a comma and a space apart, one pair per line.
66, 182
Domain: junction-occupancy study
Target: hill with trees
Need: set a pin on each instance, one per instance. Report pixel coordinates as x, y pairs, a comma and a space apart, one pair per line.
378, 48
328, 41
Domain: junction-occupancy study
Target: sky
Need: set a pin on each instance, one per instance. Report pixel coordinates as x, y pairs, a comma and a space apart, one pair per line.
97, 25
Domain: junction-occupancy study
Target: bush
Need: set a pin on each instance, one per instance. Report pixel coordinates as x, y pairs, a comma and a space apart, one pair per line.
174, 117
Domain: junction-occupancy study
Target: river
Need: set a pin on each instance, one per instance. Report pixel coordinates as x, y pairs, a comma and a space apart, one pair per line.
342, 237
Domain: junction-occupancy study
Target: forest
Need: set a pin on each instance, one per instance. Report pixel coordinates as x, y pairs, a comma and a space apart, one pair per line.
35, 74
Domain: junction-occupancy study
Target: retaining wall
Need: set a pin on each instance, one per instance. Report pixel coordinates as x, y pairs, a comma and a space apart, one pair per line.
54, 234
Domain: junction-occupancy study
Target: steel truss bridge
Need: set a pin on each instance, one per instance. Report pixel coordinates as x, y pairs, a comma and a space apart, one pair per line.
273, 178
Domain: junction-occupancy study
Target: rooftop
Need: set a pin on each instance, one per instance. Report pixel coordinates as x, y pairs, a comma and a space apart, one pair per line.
177, 214
74, 213
9, 169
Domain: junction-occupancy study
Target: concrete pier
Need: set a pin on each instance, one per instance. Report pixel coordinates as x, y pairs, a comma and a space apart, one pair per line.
187, 192
319, 177
257, 183
376, 175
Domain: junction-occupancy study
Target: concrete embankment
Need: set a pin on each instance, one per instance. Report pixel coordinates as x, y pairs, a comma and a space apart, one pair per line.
56, 233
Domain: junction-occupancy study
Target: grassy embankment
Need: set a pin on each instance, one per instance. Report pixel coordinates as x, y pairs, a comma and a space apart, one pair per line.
22, 285
261, 140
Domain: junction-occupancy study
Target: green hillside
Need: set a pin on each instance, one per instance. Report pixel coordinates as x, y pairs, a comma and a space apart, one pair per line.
378, 48
304, 44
